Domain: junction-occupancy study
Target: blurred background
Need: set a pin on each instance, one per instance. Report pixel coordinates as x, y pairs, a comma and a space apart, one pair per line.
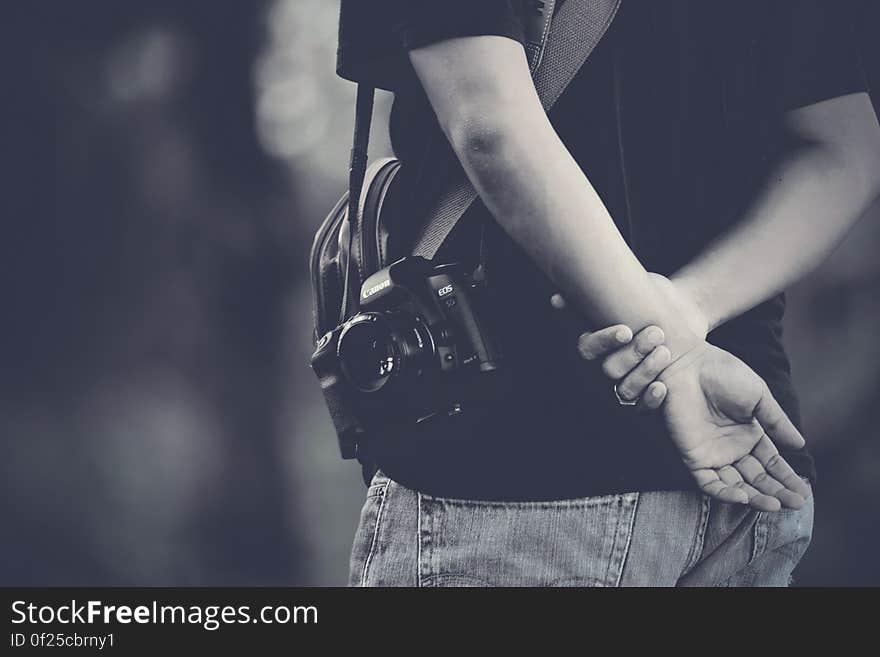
165, 165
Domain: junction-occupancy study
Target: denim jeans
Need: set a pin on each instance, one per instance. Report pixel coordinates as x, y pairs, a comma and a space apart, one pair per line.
669, 538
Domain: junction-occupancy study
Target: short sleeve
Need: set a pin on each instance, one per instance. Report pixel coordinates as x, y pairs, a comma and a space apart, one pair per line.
423, 22
374, 35
821, 58
367, 51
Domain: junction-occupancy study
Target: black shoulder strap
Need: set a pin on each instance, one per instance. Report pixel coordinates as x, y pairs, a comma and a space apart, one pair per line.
357, 170
363, 117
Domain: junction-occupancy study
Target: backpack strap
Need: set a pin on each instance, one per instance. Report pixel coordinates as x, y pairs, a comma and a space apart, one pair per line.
574, 33
539, 14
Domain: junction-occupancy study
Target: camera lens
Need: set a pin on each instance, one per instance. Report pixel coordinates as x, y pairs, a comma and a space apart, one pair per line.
377, 347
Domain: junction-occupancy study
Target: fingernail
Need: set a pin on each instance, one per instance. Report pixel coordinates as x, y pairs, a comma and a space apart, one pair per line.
655, 335
663, 354
622, 335
656, 391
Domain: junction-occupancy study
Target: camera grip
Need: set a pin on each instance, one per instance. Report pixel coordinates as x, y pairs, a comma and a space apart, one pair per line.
460, 312
348, 431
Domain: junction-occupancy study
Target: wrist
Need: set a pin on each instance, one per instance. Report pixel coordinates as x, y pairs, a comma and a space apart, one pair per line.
680, 340
702, 316
685, 323
682, 358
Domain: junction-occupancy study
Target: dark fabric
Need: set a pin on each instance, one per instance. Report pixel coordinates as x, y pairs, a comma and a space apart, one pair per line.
675, 119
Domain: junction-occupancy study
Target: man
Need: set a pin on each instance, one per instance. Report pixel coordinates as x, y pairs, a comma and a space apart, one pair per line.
725, 147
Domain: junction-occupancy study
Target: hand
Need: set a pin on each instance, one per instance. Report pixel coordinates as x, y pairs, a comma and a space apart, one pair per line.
719, 413
724, 421
634, 362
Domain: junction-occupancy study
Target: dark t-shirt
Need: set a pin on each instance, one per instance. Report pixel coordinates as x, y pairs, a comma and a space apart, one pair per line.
675, 118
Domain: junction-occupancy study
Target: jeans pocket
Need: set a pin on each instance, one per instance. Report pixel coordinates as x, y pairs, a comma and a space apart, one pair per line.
580, 542
780, 540
365, 538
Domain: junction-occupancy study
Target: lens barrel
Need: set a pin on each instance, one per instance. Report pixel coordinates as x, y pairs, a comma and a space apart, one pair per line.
379, 347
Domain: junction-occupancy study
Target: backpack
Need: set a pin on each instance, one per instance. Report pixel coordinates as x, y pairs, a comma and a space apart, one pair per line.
352, 241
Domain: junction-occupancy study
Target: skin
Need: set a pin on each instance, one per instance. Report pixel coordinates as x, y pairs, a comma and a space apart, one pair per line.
720, 414
806, 206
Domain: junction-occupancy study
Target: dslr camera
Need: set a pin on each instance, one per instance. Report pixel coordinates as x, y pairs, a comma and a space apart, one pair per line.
418, 348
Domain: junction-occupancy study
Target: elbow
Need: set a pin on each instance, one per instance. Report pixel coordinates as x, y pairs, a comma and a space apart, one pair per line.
482, 137
860, 164
845, 134
872, 159
866, 168
861, 160
874, 175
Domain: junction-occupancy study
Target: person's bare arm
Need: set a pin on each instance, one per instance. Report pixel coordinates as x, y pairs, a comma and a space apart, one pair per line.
806, 207
807, 204
485, 100
721, 415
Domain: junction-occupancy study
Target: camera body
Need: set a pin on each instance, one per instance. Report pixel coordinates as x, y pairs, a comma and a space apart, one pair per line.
419, 347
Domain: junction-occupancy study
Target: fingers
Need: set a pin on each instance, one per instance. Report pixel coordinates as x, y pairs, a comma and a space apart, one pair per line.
727, 485
634, 384
654, 396
757, 500
711, 485
598, 344
776, 422
753, 472
619, 363
645, 361
767, 455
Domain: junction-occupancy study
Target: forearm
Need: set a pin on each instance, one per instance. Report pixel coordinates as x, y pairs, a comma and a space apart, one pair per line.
813, 200
808, 204
486, 103
540, 196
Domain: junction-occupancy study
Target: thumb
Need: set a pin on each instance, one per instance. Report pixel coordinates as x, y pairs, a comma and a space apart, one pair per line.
776, 422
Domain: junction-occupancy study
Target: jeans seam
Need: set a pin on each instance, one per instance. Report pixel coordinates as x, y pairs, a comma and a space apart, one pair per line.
617, 516
632, 520
577, 503
375, 538
418, 540
699, 535
759, 533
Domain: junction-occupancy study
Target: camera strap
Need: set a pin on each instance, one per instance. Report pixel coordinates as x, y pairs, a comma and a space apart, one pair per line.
357, 171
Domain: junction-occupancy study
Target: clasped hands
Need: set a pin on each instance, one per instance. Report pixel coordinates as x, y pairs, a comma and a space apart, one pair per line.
720, 414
